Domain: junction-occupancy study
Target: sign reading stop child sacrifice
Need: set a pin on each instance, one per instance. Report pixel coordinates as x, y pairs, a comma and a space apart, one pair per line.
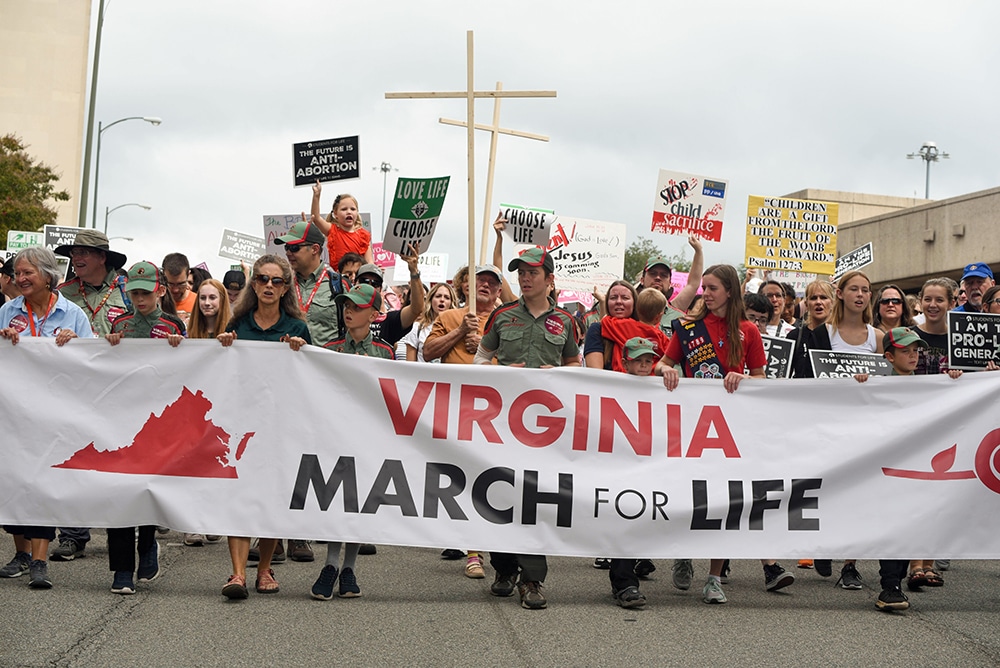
689, 204
416, 207
791, 234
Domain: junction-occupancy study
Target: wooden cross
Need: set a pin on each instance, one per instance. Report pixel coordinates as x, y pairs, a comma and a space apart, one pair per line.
495, 130
470, 94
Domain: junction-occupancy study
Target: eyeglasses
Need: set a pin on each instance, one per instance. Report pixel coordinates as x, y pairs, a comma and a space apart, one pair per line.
757, 319
895, 301
775, 295
991, 302
293, 248
276, 281
80, 251
371, 280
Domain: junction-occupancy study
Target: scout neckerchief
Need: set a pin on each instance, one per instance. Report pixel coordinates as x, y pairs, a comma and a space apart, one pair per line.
312, 295
97, 309
701, 356
31, 316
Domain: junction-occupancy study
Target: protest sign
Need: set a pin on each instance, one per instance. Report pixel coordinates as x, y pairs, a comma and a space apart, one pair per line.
382, 257
433, 268
829, 364
527, 226
274, 227
416, 206
60, 235
973, 340
791, 234
779, 356
16, 239
239, 246
586, 252
799, 280
689, 204
326, 160
857, 258
579, 296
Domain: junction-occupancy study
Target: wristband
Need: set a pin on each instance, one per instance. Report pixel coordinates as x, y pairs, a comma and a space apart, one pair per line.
414, 276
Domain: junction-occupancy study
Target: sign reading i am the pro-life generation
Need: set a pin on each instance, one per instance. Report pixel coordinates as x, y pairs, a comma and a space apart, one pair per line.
973, 340
326, 160
416, 207
689, 204
527, 226
779, 356
856, 259
791, 234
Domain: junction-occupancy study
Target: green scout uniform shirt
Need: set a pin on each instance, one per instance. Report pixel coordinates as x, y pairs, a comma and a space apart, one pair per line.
669, 315
321, 316
247, 329
368, 346
156, 325
517, 336
101, 304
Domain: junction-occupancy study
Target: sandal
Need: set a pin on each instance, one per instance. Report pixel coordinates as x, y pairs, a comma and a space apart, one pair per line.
916, 580
235, 588
933, 578
266, 584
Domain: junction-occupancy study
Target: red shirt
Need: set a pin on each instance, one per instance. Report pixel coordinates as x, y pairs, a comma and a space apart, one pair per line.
753, 345
339, 242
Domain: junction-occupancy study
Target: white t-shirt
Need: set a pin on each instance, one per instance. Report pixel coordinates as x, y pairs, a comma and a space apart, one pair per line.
838, 345
416, 338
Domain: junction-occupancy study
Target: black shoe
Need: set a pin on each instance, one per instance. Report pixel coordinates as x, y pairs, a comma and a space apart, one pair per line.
602, 563
299, 550
629, 597
503, 584
892, 599
776, 577
451, 554
643, 568
849, 578
823, 567
531, 595
367, 548
67, 550
39, 574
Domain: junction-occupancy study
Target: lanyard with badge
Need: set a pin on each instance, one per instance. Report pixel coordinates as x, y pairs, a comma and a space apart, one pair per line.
31, 317
312, 295
94, 311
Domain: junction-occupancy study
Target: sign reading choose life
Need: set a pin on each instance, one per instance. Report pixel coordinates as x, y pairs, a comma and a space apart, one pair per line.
791, 234
416, 207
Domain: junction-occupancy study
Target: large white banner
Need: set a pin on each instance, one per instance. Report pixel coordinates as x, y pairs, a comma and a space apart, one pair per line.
260, 440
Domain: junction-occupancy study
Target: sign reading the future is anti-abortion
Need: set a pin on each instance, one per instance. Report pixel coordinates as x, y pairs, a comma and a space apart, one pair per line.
689, 204
326, 160
416, 207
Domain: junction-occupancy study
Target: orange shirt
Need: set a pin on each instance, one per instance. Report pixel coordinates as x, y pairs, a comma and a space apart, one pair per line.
449, 321
339, 242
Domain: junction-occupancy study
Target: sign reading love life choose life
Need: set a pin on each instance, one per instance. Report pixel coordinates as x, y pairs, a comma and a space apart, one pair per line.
689, 204
416, 207
791, 234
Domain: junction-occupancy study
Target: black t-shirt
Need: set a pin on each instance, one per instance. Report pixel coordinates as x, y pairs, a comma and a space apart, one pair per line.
390, 328
805, 340
934, 358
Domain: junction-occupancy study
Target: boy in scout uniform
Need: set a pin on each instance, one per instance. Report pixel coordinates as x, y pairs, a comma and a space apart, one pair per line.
533, 333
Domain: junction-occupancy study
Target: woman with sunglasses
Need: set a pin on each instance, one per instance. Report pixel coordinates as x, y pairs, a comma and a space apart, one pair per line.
268, 311
891, 309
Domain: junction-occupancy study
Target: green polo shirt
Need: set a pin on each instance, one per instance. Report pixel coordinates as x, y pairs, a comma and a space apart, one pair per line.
321, 316
517, 336
156, 325
100, 303
368, 346
247, 329
669, 315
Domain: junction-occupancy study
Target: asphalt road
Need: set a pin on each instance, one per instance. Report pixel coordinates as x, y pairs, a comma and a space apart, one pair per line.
419, 610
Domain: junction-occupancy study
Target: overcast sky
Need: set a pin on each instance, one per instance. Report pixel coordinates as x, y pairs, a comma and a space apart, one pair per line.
772, 96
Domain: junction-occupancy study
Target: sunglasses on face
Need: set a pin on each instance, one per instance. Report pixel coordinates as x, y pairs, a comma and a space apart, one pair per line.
293, 248
276, 281
370, 280
895, 301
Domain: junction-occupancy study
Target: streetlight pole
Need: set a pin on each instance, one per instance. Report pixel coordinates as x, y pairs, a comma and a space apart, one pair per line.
928, 153
108, 212
101, 129
385, 168
85, 190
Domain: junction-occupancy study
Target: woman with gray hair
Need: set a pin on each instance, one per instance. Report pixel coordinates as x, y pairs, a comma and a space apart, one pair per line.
40, 311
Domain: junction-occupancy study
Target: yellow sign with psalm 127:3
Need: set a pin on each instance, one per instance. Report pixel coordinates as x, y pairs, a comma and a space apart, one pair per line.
791, 234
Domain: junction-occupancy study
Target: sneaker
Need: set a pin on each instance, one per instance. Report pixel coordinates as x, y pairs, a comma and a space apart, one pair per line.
531, 595
474, 568
67, 550
236, 587
776, 577
299, 550
162, 530
724, 578
629, 597
149, 564
942, 564
212, 538
194, 539
712, 592
17, 566
892, 599
322, 589
39, 574
824, 567
805, 563
122, 583
368, 548
643, 568
503, 584
849, 578
254, 556
349, 584
451, 554
279, 553
266, 584
602, 563
683, 572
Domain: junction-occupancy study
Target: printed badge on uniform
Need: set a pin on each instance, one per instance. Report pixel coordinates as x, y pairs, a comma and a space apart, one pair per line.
554, 325
19, 323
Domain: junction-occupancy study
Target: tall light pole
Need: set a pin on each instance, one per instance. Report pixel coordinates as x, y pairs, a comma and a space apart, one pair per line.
85, 189
108, 212
385, 168
928, 153
101, 129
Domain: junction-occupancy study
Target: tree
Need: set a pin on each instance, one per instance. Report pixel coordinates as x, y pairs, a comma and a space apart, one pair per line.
641, 250
26, 186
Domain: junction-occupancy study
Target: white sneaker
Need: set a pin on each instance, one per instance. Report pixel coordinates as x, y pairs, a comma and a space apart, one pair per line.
194, 539
712, 593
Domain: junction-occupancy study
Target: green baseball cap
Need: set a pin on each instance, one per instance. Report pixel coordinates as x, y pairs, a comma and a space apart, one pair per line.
302, 233
143, 276
637, 347
533, 257
900, 337
362, 295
